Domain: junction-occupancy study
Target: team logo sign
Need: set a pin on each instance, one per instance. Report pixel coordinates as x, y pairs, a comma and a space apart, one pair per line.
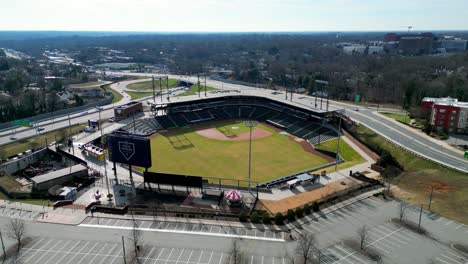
127, 149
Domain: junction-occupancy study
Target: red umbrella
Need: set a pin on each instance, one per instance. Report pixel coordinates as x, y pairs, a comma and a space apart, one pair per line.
233, 195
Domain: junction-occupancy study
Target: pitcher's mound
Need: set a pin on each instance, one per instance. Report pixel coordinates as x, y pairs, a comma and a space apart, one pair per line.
214, 133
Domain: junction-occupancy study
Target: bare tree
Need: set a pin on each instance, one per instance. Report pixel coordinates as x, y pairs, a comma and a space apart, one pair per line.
236, 253
402, 211
362, 232
16, 231
307, 244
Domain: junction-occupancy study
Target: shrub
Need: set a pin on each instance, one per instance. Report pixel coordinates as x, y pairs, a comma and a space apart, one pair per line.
266, 218
279, 219
291, 215
299, 212
255, 218
306, 209
315, 206
243, 217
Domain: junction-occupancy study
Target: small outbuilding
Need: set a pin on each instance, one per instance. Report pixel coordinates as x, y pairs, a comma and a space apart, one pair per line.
59, 177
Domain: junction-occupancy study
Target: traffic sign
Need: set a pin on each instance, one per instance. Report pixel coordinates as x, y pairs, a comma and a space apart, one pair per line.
22, 122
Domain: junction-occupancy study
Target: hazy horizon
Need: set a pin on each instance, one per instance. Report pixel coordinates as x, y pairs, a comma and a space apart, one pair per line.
243, 16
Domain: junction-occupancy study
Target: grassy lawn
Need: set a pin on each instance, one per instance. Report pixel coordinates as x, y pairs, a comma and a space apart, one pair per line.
398, 117
350, 156
138, 95
117, 96
415, 182
189, 153
148, 85
194, 90
37, 141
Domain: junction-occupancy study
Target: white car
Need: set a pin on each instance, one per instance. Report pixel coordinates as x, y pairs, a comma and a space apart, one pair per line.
89, 129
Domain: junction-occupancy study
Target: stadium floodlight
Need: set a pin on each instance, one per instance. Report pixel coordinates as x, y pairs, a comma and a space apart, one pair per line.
109, 195
250, 124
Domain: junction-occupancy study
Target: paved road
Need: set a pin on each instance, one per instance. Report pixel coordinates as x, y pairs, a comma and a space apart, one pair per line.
409, 139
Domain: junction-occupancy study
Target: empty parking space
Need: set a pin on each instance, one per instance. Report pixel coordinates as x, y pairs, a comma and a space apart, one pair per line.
340, 253
450, 257
387, 237
197, 228
53, 251
17, 213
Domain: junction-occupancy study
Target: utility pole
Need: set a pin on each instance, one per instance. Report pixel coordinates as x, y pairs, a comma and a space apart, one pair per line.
205, 84
154, 90
198, 83
430, 197
167, 89
338, 144
160, 87
109, 198
123, 248
70, 136
3, 246
250, 125
420, 215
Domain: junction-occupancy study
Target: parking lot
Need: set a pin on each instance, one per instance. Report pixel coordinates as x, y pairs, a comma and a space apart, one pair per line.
52, 251
17, 213
195, 228
385, 234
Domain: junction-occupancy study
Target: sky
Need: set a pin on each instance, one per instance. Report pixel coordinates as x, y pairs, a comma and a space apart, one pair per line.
233, 15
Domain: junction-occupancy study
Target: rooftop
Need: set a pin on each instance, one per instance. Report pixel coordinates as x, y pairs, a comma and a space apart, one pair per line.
58, 173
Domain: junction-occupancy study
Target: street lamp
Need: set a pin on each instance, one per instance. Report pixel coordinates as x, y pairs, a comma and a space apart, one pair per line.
109, 195
250, 124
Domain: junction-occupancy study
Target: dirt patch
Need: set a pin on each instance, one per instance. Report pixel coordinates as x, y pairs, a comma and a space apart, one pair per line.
281, 206
440, 187
214, 133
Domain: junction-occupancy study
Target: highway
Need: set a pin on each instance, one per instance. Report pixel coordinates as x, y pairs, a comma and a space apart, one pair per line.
410, 139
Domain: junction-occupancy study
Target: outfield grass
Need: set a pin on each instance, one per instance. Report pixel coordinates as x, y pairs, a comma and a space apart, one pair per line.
194, 90
117, 96
138, 95
148, 85
37, 141
350, 156
272, 157
418, 176
398, 117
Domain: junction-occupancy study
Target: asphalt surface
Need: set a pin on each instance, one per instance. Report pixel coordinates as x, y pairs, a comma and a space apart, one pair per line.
336, 234
411, 140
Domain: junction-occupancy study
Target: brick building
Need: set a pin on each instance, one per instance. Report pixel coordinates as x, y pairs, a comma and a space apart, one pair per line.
446, 114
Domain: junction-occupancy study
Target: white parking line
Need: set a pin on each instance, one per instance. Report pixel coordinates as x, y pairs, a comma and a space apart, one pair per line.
459, 226
385, 236
76, 254
66, 253
391, 238
341, 258
394, 228
455, 255
211, 256
45, 253
29, 249
346, 252
199, 258
115, 257
59, 250
401, 236
98, 253
439, 259
43, 246
169, 256
449, 222
89, 251
454, 260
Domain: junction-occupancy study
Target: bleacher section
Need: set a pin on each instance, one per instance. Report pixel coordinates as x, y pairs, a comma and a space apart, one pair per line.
143, 127
293, 121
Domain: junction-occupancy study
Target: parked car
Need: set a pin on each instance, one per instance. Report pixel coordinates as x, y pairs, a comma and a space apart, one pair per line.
89, 129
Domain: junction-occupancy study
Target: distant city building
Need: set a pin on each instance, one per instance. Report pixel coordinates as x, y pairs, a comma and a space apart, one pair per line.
447, 114
415, 45
451, 45
356, 48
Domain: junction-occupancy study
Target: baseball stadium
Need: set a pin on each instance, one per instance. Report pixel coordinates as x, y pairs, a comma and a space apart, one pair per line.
232, 137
